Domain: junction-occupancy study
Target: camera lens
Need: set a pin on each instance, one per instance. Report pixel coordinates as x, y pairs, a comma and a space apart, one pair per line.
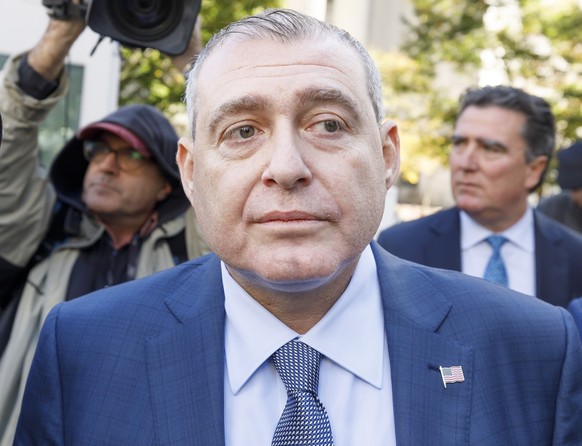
147, 20
165, 25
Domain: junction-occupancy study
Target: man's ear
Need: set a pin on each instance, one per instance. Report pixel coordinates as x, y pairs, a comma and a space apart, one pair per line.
535, 169
164, 191
186, 165
390, 151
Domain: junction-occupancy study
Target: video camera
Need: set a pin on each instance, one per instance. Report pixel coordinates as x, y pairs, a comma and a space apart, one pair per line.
165, 25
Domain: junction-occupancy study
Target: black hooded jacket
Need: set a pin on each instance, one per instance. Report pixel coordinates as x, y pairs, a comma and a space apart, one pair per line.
148, 124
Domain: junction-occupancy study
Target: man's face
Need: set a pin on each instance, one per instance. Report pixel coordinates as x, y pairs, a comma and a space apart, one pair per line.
113, 194
289, 169
490, 176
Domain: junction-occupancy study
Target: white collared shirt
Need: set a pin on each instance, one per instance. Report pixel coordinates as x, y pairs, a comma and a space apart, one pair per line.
354, 382
518, 253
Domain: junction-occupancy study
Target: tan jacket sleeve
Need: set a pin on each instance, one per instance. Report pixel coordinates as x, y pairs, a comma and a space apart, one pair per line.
26, 196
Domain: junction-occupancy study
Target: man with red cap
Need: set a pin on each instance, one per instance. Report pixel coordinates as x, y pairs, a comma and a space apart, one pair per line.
111, 208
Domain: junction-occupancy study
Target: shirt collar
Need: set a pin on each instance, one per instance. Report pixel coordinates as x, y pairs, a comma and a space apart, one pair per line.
351, 334
520, 234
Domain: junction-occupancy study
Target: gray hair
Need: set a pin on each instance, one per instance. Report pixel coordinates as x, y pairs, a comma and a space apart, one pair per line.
284, 25
539, 131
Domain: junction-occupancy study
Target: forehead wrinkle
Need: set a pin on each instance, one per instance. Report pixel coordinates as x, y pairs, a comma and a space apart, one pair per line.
279, 65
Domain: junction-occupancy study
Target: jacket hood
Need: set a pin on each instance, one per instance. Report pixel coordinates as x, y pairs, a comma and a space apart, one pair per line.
151, 127
570, 167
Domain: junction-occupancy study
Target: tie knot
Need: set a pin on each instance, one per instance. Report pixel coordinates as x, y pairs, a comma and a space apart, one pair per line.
496, 242
298, 366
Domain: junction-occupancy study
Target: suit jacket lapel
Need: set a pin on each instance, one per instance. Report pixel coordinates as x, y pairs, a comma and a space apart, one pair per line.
443, 249
425, 411
186, 363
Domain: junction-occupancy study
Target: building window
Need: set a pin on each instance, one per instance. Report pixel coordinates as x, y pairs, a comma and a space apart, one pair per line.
63, 120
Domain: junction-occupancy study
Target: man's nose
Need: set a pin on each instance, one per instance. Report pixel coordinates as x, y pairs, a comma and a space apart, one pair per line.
287, 166
468, 157
110, 162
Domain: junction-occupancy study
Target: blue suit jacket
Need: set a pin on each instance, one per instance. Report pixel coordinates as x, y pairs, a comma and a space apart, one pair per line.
575, 308
436, 241
143, 363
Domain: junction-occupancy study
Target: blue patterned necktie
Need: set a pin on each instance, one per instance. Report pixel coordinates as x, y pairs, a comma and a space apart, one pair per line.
304, 421
495, 270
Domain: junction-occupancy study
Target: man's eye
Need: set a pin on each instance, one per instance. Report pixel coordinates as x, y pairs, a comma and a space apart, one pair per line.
331, 126
493, 147
457, 141
241, 133
134, 154
246, 131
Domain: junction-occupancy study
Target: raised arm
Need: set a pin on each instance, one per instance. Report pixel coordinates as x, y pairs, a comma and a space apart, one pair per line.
32, 83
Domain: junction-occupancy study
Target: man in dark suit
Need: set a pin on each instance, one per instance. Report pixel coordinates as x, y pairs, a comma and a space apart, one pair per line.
501, 145
300, 330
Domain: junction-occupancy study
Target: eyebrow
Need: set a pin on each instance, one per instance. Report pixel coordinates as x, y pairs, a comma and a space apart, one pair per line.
325, 95
308, 96
242, 104
485, 142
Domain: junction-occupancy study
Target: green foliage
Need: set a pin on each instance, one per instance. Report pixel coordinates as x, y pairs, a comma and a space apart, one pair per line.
148, 76
419, 110
216, 14
447, 30
537, 44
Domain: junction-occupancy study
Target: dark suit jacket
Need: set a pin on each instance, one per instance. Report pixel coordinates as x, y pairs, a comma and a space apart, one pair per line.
436, 241
143, 363
575, 308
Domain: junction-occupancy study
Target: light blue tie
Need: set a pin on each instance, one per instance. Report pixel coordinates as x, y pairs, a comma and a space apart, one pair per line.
304, 421
495, 270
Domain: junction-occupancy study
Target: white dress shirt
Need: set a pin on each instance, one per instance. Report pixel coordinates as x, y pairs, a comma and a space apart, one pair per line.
354, 381
518, 253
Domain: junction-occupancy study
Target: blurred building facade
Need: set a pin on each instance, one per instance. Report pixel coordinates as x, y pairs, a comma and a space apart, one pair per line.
378, 24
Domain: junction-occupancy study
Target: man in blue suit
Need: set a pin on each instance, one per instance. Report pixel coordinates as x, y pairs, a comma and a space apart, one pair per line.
300, 330
501, 146
575, 308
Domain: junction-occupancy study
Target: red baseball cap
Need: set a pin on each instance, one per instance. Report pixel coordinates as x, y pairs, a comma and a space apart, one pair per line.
93, 130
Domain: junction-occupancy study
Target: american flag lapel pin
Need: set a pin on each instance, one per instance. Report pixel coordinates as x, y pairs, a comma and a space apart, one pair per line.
452, 374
